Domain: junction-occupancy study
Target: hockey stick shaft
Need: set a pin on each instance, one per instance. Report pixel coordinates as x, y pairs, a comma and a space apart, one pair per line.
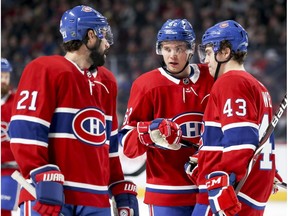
186, 143
21, 180
137, 172
283, 185
265, 137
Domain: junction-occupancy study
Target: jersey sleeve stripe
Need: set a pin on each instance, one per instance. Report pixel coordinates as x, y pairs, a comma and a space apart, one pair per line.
115, 132
211, 148
29, 130
171, 187
251, 202
240, 147
66, 110
123, 135
96, 189
212, 124
31, 119
114, 154
239, 124
61, 135
28, 142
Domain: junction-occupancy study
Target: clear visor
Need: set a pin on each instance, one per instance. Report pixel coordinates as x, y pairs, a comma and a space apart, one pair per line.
107, 34
160, 50
201, 52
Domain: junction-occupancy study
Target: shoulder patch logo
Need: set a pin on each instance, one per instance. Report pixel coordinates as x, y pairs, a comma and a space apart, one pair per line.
89, 126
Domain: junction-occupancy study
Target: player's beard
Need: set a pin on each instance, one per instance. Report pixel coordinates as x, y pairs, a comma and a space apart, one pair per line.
4, 89
97, 57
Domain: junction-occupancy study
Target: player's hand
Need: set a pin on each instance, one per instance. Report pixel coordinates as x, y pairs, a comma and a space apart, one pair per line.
124, 198
221, 194
277, 179
161, 133
48, 181
191, 169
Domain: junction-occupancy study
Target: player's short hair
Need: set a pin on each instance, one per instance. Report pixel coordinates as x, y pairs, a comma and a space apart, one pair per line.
72, 45
237, 56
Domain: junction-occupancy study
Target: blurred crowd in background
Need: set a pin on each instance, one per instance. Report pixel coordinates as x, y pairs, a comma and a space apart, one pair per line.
30, 28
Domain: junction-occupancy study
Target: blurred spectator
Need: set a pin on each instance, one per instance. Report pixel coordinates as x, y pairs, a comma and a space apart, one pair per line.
134, 25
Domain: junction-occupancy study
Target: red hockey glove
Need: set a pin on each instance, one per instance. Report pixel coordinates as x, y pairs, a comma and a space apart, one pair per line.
124, 199
191, 169
161, 133
221, 194
48, 182
277, 179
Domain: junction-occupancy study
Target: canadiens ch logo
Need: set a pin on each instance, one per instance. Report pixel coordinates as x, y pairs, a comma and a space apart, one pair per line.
190, 124
89, 126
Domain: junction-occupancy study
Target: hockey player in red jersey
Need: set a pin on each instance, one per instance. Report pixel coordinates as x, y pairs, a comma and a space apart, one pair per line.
64, 126
166, 106
239, 110
9, 187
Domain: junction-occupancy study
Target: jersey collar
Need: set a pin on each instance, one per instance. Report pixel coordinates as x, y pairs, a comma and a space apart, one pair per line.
193, 78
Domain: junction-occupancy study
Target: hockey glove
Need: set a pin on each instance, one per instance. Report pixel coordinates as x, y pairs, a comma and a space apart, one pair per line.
221, 194
191, 169
277, 180
124, 194
48, 182
161, 133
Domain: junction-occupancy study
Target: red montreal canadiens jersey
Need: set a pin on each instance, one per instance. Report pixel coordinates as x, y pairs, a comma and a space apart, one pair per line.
62, 117
238, 112
6, 153
156, 94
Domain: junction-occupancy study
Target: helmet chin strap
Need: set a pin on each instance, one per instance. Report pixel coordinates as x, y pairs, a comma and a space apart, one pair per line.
219, 64
217, 70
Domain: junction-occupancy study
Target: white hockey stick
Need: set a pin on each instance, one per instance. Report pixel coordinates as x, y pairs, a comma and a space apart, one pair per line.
22, 181
282, 184
261, 145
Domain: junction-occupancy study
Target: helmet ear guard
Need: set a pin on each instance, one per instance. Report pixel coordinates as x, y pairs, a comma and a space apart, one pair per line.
76, 22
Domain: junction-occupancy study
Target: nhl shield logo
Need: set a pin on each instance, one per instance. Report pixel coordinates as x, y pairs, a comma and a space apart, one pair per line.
89, 126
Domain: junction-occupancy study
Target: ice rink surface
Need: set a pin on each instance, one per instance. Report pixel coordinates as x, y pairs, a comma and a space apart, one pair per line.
272, 209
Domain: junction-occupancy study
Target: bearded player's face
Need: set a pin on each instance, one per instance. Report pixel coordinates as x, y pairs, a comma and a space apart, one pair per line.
99, 52
5, 81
